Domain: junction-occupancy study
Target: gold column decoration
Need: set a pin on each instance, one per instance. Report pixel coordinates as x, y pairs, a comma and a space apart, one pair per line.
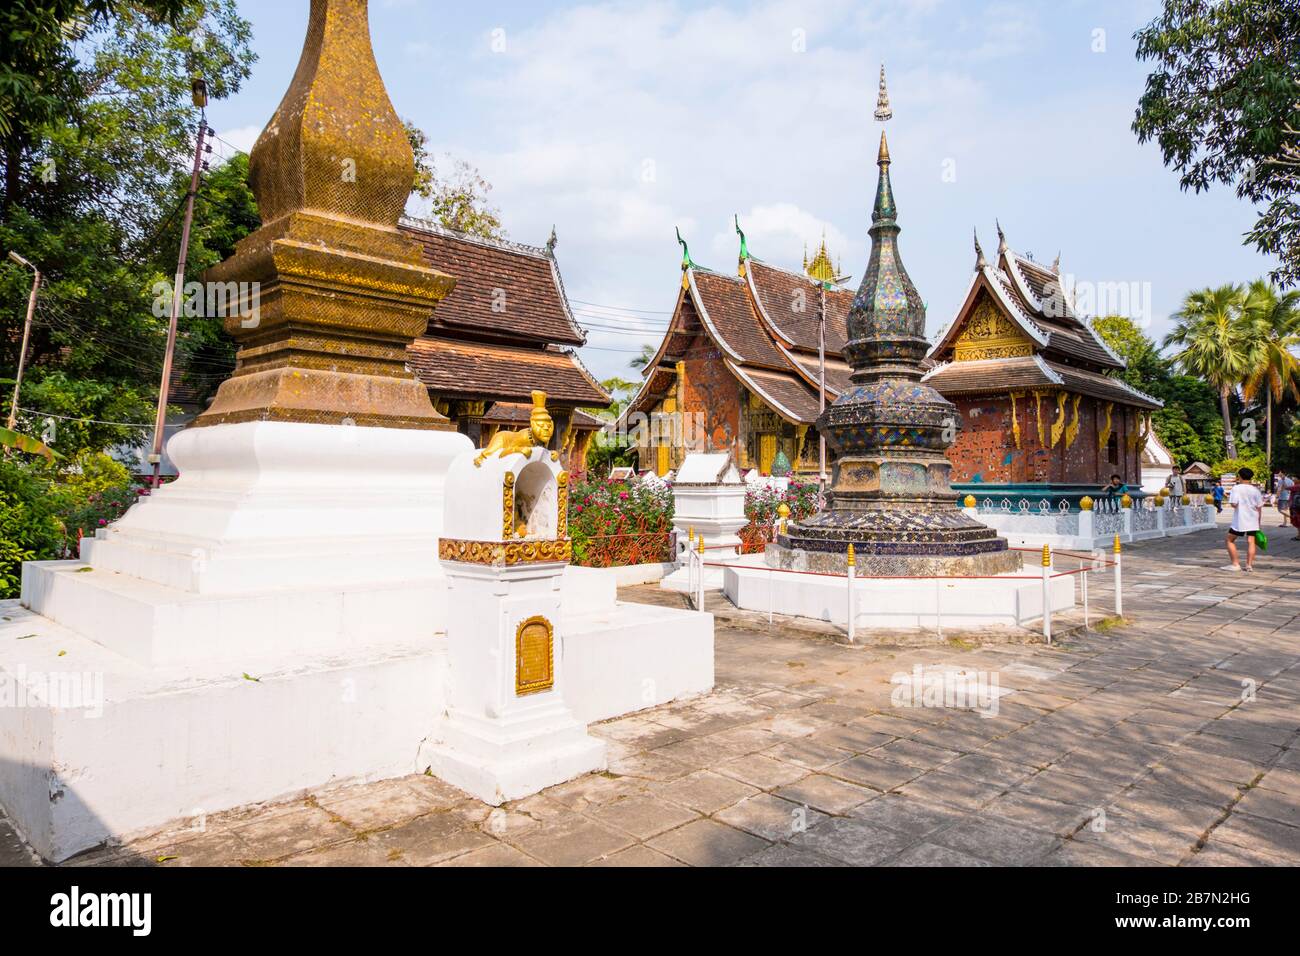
1103, 436
1058, 426
508, 506
1015, 418
1072, 432
534, 656
562, 505
1038, 414
340, 292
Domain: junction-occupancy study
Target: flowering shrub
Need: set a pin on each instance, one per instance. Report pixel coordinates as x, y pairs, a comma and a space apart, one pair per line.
760, 507
614, 523
97, 510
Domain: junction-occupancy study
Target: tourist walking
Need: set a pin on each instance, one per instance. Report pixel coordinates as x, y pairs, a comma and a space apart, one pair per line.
1177, 486
1284, 488
1247, 508
1217, 494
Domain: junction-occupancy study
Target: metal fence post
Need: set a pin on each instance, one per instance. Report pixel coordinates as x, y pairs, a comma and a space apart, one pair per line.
1047, 592
700, 606
1119, 580
852, 577
1087, 566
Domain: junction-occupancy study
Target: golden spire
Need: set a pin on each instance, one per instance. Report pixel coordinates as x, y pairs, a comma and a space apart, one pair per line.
882, 159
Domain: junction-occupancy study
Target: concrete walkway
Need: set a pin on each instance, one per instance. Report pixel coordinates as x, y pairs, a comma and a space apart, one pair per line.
1169, 740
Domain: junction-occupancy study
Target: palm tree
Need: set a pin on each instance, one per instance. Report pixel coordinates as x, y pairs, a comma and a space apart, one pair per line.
1274, 322
1213, 346
647, 355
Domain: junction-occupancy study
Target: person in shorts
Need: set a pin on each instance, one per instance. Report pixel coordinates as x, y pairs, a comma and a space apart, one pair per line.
1284, 488
1247, 508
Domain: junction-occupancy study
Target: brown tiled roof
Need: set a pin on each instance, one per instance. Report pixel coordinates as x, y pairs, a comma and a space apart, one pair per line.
989, 376
656, 386
517, 413
837, 374
778, 294
731, 316
502, 372
1104, 387
787, 394
531, 301
1069, 334
995, 376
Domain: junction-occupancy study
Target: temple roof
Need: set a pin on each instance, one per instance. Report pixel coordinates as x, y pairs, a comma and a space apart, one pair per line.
995, 376
504, 289
503, 372
1032, 296
777, 292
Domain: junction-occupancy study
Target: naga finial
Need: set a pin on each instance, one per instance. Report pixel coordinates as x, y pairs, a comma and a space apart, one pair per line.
980, 261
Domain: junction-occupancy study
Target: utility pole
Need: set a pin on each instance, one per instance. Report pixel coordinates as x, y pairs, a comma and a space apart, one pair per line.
200, 92
27, 334
821, 408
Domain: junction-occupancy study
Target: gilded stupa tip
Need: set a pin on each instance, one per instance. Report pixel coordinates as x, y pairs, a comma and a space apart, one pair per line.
883, 110
882, 159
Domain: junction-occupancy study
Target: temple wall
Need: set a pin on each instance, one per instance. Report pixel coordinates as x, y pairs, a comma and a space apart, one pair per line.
985, 450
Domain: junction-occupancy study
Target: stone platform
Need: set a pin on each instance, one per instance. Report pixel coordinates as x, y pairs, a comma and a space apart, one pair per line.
985, 564
1007, 600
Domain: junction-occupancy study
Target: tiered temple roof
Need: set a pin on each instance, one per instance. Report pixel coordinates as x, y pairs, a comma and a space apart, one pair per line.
505, 330
1016, 328
764, 323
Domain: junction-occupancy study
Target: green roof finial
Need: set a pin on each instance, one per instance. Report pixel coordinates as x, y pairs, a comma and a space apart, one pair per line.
744, 246
687, 263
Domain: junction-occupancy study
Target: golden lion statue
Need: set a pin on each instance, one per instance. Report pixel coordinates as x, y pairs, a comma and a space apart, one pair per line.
536, 435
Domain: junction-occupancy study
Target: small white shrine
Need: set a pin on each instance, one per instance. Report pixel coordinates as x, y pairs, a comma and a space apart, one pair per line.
709, 501
508, 731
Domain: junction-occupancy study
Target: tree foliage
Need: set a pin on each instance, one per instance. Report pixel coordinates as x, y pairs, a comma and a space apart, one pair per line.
456, 196
1223, 103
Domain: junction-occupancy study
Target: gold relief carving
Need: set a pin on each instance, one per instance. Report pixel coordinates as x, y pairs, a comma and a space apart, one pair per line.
1058, 426
562, 505
1103, 436
505, 554
1072, 432
1015, 418
508, 505
988, 334
534, 656
1038, 414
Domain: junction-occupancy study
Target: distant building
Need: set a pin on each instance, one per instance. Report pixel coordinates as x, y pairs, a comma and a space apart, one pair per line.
505, 330
740, 358
1042, 414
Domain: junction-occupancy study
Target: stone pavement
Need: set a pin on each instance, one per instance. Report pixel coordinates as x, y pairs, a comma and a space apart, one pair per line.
1169, 740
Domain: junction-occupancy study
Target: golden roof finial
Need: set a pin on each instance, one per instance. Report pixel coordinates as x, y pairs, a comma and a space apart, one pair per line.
820, 268
883, 110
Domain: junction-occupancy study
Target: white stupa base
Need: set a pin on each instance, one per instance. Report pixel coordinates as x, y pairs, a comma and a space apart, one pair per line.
95, 746
497, 760
892, 603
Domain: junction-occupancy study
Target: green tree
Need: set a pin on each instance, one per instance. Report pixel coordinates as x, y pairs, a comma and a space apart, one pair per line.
458, 196
644, 357
1224, 106
1213, 346
1274, 324
90, 197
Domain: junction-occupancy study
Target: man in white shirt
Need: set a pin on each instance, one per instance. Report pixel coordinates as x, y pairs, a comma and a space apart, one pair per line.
1177, 486
1247, 507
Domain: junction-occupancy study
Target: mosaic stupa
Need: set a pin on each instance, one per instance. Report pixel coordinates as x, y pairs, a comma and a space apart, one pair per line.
890, 495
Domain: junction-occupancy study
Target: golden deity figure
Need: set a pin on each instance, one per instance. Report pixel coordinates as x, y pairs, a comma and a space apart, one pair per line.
536, 435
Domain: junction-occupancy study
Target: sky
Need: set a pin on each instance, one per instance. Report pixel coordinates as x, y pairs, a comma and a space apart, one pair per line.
618, 122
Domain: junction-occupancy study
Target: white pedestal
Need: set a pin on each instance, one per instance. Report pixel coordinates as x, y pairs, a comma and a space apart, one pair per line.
709, 499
